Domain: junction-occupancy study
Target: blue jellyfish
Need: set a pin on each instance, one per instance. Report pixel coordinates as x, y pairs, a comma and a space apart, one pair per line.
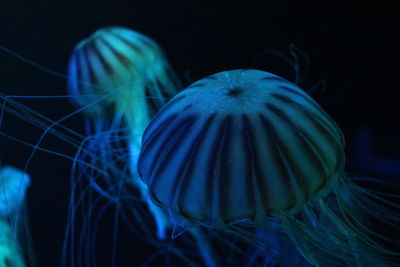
243, 148
14, 234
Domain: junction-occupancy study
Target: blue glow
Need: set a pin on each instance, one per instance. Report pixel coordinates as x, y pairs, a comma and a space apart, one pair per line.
102, 182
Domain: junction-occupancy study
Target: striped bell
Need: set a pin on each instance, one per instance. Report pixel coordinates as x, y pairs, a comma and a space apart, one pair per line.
240, 144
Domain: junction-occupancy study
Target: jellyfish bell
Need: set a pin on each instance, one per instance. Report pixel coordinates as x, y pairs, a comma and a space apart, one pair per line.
224, 150
120, 73
244, 146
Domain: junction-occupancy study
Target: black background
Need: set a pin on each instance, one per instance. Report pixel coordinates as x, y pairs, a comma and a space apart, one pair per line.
352, 45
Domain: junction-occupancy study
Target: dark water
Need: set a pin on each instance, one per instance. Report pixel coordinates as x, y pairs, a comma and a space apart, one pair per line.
354, 47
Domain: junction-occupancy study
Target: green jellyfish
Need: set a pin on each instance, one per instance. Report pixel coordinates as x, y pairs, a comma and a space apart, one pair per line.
123, 78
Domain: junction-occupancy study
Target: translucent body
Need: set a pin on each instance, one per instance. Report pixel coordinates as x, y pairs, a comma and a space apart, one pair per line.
241, 148
122, 78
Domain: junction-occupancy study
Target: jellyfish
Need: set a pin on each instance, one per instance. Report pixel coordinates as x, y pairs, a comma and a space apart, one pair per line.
123, 78
241, 149
120, 78
14, 234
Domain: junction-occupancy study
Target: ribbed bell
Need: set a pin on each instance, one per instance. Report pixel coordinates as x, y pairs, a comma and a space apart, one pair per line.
239, 144
119, 67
